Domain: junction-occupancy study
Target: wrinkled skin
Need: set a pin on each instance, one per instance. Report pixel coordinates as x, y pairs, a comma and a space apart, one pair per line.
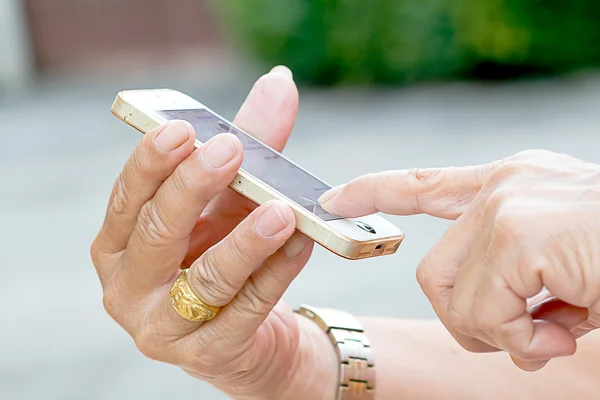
171, 207
523, 224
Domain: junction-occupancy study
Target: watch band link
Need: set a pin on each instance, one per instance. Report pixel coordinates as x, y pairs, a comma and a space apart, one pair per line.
357, 371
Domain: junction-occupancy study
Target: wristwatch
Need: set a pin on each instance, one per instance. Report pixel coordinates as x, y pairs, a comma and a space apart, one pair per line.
357, 372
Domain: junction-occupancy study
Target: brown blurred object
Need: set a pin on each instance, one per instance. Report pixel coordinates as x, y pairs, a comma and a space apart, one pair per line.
96, 34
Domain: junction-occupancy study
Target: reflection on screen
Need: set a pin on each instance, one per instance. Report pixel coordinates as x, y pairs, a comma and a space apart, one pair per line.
261, 162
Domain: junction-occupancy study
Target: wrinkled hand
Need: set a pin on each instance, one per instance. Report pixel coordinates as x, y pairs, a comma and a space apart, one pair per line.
519, 269
171, 207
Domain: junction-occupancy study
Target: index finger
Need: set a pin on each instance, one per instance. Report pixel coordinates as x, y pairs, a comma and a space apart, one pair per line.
440, 192
270, 109
153, 160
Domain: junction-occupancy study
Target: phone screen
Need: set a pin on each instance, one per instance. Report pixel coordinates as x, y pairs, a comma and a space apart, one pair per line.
260, 161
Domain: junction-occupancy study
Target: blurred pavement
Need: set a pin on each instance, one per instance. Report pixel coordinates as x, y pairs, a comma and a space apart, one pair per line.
61, 149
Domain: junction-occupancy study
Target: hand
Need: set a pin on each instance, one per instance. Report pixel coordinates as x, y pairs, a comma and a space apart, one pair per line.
171, 207
529, 222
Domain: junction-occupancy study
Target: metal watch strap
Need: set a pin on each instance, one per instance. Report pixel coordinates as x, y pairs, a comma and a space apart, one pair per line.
357, 372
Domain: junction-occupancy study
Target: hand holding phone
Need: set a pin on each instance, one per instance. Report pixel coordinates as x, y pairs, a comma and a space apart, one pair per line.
265, 175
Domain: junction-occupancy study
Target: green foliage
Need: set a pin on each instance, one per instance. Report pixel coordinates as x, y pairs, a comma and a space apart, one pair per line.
549, 35
394, 41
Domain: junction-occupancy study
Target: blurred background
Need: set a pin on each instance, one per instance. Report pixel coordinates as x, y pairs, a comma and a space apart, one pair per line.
383, 84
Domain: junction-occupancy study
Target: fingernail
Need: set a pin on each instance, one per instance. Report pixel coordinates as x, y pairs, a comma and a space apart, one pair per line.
529, 365
271, 222
295, 245
218, 152
269, 91
281, 69
330, 194
173, 136
533, 366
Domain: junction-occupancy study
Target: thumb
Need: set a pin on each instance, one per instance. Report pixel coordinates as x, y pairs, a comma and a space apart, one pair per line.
440, 192
551, 309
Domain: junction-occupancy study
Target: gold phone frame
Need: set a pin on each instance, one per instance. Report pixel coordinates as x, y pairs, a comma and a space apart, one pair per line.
258, 192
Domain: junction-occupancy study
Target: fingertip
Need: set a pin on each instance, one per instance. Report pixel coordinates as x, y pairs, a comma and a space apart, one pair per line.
176, 124
326, 198
347, 201
282, 69
187, 125
553, 340
270, 109
276, 79
229, 137
296, 245
285, 211
235, 141
222, 152
275, 219
529, 365
549, 340
172, 135
278, 88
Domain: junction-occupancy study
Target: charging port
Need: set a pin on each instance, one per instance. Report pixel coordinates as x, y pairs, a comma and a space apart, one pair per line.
379, 249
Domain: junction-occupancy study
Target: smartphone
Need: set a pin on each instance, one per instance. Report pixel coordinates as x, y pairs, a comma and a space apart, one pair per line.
265, 174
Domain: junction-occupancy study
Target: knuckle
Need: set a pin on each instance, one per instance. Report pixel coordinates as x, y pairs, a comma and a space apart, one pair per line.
429, 275
119, 197
482, 320
182, 180
499, 209
99, 261
533, 154
153, 228
210, 282
142, 166
241, 248
274, 274
538, 159
506, 171
201, 352
424, 277
141, 159
109, 302
567, 276
498, 199
95, 253
457, 318
118, 307
568, 267
147, 343
425, 176
251, 301
426, 181
537, 263
513, 338
578, 288
506, 226
483, 315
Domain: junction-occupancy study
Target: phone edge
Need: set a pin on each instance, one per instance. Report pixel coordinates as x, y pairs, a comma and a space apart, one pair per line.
243, 183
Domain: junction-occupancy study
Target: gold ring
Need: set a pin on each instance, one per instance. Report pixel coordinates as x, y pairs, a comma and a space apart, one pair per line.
187, 304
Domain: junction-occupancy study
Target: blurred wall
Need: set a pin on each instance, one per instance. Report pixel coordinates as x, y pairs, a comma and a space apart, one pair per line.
16, 62
69, 35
